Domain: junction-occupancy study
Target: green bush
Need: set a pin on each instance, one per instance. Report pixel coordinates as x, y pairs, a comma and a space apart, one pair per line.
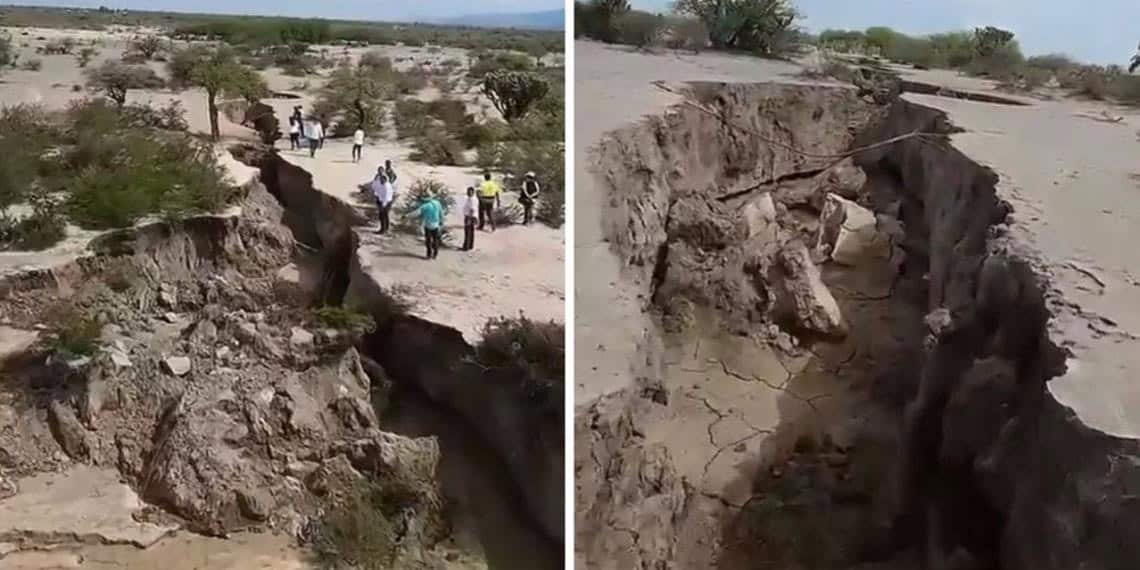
686, 33
1054, 63
764, 27
75, 333
358, 532
534, 347
639, 29
45, 227
342, 318
420, 190
499, 61
5, 50
437, 148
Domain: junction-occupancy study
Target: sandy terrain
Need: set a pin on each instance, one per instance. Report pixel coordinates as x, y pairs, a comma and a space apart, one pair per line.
1070, 179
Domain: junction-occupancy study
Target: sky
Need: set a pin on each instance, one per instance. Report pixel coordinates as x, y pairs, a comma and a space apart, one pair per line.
390, 10
1106, 33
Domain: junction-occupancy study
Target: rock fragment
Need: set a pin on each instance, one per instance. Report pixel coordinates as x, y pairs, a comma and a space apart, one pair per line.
811, 302
177, 365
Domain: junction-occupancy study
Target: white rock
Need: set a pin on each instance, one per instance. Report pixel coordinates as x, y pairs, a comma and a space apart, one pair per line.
119, 359
170, 317
849, 232
759, 214
177, 365
812, 302
301, 337
223, 353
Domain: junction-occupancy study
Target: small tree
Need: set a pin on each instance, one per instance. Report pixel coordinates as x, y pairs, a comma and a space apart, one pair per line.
605, 13
1131, 66
639, 29
85, 55
513, 93
759, 26
218, 72
355, 94
114, 79
147, 46
537, 50
989, 39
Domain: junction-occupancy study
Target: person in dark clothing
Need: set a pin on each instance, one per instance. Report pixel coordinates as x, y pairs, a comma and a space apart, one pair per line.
470, 211
528, 197
297, 118
390, 172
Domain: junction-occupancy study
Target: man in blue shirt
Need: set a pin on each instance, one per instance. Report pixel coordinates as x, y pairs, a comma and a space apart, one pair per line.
431, 215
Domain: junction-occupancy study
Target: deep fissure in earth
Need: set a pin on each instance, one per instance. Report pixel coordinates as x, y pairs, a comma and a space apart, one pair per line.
870, 329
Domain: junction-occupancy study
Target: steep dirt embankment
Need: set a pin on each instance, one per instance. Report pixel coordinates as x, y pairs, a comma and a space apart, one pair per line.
927, 439
519, 429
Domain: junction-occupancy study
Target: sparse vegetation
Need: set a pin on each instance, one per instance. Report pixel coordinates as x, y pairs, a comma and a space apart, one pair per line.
101, 166
360, 531
5, 51
438, 148
115, 79
355, 95
421, 190
764, 27
514, 93
535, 347
148, 47
639, 29
218, 72
74, 332
32, 64
343, 318
85, 55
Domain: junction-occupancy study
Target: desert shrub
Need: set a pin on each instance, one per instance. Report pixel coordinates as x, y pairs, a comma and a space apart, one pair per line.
343, 318
547, 160
1000, 63
1088, 81
45, 227
263, 119
639, 29
488, 62
419, 191
437, 148
33, 64
123, 175
75, 332
686, 33
115, 79
411, 118
62, 46
84, 56
760, 26
1125, 88
169, 117
355, 94
1054, 63
477, 135
513, 93
597, 18
147, 46
537, 347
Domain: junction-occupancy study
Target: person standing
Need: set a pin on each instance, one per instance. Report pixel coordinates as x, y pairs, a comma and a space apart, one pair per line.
470, 211
431, 215
489, 192
530, 190
357, 144
315, 134
391, 172
294, 133
385, 196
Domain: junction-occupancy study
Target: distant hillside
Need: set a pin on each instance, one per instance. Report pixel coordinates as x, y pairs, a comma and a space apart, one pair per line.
548, 20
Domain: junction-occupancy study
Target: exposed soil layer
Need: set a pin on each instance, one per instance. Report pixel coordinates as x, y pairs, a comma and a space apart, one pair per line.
890, 369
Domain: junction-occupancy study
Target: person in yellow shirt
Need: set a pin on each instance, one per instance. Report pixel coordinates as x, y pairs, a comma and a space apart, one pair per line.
489, 199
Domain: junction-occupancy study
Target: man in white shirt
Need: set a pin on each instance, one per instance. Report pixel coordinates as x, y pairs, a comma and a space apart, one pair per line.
294, 134
315, 134
470, 217
385, 196
357, 144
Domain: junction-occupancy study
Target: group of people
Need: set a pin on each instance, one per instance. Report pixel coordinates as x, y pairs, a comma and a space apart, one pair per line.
478, 207
313, 131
